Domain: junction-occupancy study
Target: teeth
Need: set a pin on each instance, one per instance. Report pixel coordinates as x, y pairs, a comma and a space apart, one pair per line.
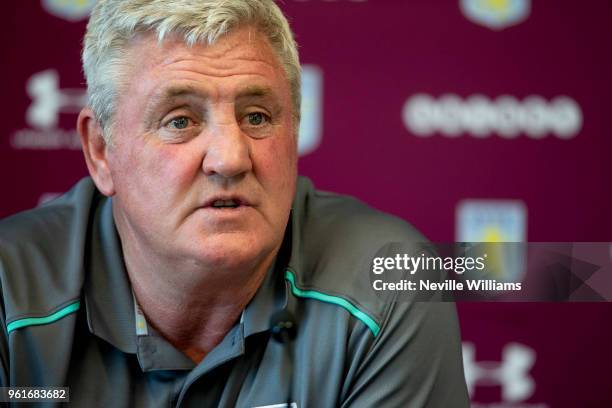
224, 203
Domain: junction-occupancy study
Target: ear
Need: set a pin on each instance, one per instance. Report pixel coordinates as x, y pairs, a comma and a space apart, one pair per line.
95, 150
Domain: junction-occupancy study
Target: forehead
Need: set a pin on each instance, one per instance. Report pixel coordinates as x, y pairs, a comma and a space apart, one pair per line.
240, 59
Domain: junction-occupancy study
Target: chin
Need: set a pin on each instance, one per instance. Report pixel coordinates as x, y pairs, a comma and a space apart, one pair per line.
232, 251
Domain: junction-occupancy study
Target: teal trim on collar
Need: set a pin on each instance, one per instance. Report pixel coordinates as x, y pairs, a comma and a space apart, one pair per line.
34, 321
338, 301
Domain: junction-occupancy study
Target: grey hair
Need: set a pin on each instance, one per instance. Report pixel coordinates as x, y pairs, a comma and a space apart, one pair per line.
113, 23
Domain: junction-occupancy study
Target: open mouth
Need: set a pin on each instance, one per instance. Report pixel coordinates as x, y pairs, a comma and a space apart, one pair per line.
225, 204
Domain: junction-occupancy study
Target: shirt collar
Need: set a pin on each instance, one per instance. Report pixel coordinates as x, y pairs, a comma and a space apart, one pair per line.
271, 296
107, 290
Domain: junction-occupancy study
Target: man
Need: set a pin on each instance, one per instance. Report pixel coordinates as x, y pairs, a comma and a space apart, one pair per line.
153, 282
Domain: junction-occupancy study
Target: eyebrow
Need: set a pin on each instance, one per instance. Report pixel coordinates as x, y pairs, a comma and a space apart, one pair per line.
186, 90
167, 95
257, 91
164, 97
172, 93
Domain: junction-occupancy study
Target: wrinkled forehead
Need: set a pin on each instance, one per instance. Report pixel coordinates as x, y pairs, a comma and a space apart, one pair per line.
241, 44
242, 52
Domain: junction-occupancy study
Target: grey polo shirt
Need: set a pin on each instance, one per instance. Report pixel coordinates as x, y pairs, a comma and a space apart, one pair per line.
69, 319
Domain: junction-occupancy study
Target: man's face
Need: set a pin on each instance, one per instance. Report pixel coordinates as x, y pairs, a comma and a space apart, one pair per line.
203, 160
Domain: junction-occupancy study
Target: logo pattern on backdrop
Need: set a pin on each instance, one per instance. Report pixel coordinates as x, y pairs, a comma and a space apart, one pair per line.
512, 373
496, 14
480, 117
71, 10
311, 111
48, 102
492, 221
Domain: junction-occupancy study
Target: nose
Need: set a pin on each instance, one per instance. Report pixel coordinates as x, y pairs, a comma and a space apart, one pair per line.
228, 153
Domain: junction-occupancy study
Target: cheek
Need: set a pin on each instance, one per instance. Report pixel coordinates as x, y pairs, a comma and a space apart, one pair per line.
154, 175
275, 161
276, 170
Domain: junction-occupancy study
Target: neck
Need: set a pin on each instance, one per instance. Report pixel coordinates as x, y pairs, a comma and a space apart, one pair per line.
194, 318
190, 305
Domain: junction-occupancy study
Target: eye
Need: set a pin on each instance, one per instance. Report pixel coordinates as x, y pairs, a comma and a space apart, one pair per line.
181, 122
257, 118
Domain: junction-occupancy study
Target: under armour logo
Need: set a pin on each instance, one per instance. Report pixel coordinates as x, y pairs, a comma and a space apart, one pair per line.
512, 373
48, 101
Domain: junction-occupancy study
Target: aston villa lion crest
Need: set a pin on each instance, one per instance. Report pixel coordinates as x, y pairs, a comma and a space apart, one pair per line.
71, 10
496, 14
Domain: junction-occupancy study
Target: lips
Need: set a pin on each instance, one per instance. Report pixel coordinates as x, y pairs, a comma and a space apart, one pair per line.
226, 201
225, 204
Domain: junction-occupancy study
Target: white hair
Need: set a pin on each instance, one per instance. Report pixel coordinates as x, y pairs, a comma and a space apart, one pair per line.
113, 23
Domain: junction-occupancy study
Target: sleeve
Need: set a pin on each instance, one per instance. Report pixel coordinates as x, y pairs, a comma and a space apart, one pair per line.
4, 352
415, 361
4, 336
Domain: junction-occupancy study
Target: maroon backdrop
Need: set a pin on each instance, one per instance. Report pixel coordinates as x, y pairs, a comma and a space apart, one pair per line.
542, 71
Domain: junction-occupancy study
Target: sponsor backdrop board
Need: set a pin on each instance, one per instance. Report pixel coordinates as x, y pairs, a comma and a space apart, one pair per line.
481, 120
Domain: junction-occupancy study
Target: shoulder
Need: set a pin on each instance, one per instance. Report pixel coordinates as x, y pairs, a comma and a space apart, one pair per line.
41, 254
334, 241
349, 218
409, 349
